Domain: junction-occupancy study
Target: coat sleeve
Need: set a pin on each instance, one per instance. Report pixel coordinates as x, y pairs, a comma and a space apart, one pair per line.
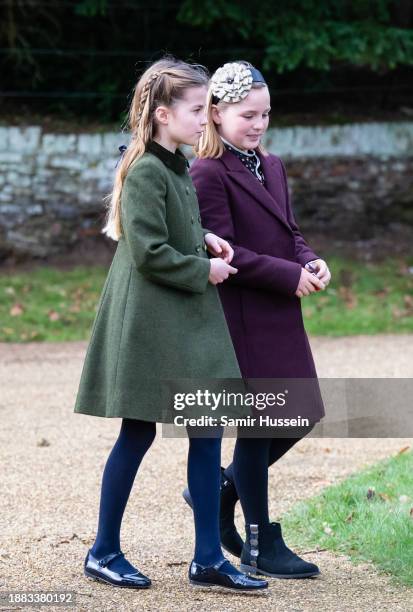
255, 270
143, 207
303, 252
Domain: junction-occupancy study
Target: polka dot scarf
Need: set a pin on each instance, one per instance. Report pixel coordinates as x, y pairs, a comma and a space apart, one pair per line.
249, 158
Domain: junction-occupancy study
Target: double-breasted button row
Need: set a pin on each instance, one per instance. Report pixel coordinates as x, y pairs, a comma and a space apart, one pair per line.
193, 219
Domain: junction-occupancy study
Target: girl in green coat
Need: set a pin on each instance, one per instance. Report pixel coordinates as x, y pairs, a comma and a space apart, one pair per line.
159, 318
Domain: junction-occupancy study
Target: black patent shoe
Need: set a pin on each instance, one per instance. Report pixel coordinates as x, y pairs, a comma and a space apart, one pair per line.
217, 577
266, 553
98, 570
231, 540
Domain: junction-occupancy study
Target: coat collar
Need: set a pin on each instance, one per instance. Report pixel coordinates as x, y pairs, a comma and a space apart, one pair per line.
266, 196
175, 161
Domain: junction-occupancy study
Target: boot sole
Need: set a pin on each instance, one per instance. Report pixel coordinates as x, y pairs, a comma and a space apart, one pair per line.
121, 586
218, 588
249, 569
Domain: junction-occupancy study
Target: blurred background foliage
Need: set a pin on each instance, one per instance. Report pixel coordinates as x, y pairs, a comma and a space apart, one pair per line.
81, 58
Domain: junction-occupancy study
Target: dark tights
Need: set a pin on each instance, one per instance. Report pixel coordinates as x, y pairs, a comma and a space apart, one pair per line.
249, 473
204, 478
135, 438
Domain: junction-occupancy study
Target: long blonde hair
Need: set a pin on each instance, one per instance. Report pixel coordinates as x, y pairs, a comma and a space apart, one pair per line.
210, 144
163, 83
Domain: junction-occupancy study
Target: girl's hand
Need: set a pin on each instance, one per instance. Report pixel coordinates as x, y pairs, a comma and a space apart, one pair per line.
220, 271
319, 266
218, 247
309, 283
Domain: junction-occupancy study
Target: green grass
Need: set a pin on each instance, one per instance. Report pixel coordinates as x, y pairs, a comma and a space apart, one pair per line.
54, 305
362, 298
369, 517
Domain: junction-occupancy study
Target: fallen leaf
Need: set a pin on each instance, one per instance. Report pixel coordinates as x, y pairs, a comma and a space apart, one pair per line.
16, 310
53, 315
348, 297
404, 449
408, 301
79, 293
399, 314
403, 269
381, 292
75, 308
371, 493
322, 301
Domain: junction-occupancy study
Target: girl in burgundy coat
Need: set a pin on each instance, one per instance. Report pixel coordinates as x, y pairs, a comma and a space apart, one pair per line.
243, 197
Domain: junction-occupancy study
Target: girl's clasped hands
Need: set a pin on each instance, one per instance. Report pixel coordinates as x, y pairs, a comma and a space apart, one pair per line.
315, 276
223, 254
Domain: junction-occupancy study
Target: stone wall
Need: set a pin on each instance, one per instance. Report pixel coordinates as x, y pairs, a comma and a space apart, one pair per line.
350, 185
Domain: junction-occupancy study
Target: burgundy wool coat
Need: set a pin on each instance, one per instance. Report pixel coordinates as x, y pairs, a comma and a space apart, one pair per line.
262, 311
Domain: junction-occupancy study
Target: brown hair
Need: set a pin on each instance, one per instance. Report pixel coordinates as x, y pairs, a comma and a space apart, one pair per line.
163, 83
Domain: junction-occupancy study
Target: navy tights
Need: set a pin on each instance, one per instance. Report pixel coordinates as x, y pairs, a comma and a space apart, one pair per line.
249, 473
135, 438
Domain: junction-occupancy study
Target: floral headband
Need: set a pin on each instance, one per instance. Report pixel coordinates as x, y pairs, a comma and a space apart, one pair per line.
232, 82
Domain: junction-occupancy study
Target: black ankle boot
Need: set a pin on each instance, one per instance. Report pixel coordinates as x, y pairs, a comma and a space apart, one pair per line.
265, 552
230, 538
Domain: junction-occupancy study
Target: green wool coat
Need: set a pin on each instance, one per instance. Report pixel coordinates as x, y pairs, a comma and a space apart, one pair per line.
158, 317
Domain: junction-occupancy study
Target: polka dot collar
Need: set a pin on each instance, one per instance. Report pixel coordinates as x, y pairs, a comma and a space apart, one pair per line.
249, 158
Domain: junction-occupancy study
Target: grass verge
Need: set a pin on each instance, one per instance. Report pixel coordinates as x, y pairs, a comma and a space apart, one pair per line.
54, 305
369, 516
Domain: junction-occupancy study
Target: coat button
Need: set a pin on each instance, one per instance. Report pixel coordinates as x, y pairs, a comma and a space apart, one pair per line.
192, 220
198, 248
187, 189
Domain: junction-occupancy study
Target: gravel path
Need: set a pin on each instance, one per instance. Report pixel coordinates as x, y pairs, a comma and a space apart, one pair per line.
52, 464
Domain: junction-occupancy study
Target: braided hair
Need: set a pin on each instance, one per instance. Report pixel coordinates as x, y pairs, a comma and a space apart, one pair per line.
145, 92
163, 83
